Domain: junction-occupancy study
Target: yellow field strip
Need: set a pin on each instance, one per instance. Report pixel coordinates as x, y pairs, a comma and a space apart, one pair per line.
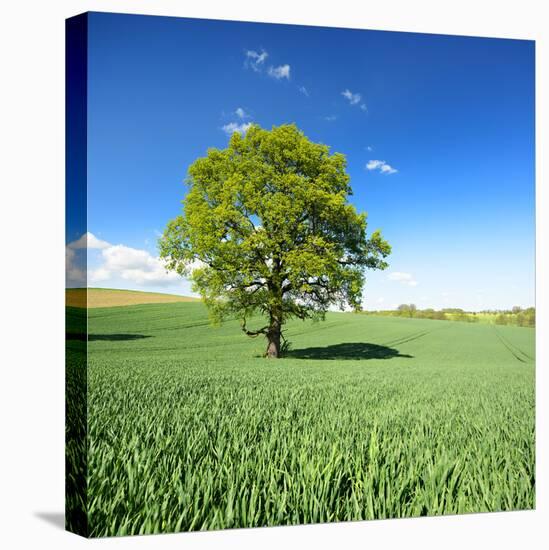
96, 297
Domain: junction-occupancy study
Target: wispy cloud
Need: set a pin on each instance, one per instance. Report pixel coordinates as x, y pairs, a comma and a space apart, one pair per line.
381, 166
330, 118
404, 278
241, 113
282, 71
304, 90
233, 127
239, 125
255, 60
369, 148
353, 98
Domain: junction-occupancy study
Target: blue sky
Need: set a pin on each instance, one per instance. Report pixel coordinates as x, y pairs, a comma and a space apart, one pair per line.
449, 120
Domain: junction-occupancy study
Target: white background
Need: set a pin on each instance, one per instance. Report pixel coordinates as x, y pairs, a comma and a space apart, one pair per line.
32, 271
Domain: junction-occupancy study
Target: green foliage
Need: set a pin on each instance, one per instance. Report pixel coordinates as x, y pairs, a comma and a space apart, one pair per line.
526, 317
502, 319
407, 310
518, 317
189, 429
268, 223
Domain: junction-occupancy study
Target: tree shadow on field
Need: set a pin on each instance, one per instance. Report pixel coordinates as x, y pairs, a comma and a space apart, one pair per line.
105, 337
355, 350
116, 337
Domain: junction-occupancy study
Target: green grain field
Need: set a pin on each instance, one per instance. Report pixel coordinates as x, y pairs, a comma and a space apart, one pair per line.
367, 417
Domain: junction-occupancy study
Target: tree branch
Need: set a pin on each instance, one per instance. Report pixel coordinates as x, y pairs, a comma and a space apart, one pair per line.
253, 333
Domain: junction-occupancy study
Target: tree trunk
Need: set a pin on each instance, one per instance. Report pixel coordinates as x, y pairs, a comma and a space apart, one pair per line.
275, 313
273, 338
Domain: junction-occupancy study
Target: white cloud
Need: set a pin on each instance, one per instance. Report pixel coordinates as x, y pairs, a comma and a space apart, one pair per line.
401, 277
330, 118
382, 166
120, 257
353, 98
195, 264
282, 71
241, 113
132, 265
304, 91
75, 258
99, 274
369, 148
233, 127
255, 60
239, 126
363, 107
88, 240
75, 264
120, 266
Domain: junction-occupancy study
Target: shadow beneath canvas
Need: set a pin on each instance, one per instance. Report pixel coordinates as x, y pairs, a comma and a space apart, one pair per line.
354, 350
57, 519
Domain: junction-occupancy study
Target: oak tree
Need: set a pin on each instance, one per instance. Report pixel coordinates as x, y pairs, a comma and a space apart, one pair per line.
267, 232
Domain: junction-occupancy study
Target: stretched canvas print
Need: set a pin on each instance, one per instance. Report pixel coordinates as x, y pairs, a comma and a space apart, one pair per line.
300, 275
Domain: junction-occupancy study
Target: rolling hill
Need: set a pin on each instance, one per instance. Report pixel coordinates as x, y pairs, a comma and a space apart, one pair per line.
109, 297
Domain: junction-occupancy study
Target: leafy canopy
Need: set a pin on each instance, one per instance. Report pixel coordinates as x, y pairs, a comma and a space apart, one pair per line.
267, 228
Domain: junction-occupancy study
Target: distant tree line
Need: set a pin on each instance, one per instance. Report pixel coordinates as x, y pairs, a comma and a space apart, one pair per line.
516, 316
